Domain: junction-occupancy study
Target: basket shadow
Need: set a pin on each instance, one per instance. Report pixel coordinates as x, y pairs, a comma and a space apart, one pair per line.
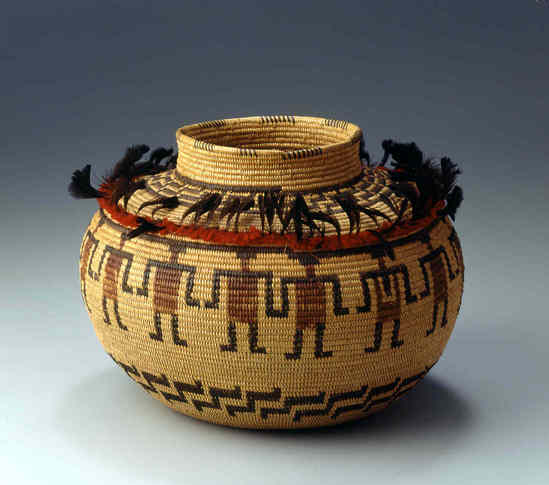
117, 424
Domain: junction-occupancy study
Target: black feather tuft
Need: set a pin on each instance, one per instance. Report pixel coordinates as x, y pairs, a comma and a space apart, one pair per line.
362, 152
387, 201
305, 215
449, 172
170, 202
206, 203
152, 165
245, 204
288, 216
401, 212
349, 206
261, 206
229, 209
124, 167
144, 226
372, 213
321, 216
161, 203
453, 201
386, 145
433, 182
410, 192
270, 202
122, 186
405, 154
279, 199
213, 206
80, 186
139, 185
159, 154
299, 214
171, 163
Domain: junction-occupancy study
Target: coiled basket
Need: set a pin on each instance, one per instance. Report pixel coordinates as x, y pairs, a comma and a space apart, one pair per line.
269, 275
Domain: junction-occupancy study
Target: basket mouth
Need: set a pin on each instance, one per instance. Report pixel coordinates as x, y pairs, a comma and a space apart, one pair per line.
291, 153
272, 134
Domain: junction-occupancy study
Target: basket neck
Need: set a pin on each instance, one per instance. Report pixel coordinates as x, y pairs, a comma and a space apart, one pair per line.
290, 153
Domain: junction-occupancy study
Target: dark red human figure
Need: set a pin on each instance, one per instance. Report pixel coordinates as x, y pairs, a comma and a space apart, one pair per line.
310, 296
440, 291
166, 285
243, 305
110, 284
388, 310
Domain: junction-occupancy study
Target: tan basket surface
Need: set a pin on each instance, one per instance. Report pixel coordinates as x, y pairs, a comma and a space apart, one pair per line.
268, 337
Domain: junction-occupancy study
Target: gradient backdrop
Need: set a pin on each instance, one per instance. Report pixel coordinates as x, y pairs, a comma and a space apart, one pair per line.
79, 83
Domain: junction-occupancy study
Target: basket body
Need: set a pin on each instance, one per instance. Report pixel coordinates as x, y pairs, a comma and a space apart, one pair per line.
260, 337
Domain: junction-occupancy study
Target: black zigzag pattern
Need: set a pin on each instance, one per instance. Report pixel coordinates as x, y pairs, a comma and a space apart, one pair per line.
291, 402
216, 393
343, 396
252, 397
182, 392
368, 402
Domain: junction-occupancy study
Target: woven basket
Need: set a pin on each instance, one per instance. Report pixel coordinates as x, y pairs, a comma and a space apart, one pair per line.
268, 276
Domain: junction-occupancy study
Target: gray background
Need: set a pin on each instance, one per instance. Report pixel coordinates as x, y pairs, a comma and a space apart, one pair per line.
464, 78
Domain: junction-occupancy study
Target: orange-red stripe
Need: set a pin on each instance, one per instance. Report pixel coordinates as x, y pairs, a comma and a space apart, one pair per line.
254, 237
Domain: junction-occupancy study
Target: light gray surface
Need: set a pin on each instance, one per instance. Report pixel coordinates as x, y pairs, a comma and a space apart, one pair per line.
467, 79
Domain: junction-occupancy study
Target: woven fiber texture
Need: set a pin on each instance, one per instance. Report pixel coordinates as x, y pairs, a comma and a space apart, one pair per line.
256, 326
312, 156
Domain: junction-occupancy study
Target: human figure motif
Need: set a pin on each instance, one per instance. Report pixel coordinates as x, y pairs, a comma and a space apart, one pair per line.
90, 242
166, 285
310, 296
110, 284
243, 305
388, 310
440, 291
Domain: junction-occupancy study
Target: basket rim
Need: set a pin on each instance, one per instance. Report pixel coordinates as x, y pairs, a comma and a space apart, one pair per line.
350, 131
